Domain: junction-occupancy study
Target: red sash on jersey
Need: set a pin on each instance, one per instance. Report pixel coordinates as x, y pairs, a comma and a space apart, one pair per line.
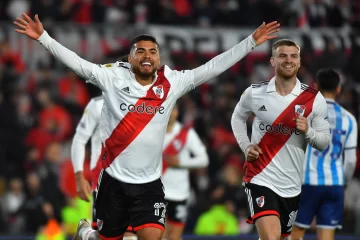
133, 122
175, 146
271, 142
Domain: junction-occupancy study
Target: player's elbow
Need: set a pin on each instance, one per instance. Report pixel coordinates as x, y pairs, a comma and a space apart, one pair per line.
322, 145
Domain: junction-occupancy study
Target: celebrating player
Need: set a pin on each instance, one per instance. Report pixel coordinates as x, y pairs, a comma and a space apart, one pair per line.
288, 116
138, 99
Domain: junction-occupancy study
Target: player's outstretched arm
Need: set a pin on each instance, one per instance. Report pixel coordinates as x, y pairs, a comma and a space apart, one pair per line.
224, 61
87, 70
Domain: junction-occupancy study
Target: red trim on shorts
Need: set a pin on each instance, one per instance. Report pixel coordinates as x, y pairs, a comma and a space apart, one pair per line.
130, 229
176, 223
262, 214
111, 238
285, 234
94, 224
155, 225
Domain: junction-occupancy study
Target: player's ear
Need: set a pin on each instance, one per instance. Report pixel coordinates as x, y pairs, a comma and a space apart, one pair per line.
338, 89
130, 59
272, 61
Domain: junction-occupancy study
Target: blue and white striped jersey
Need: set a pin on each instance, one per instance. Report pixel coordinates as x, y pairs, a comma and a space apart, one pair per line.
326, 167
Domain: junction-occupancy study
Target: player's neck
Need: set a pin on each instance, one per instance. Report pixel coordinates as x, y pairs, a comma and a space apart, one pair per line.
144, 81
328, 95
284, 86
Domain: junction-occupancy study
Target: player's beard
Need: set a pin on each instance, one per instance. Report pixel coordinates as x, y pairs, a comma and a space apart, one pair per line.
286, 75
143, 74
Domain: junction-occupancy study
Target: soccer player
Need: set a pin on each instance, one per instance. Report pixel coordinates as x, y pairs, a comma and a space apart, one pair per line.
138, 99
322, 194
288, 116
87, 128
183, 150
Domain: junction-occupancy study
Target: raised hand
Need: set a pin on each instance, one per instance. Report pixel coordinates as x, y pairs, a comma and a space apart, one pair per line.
265, 31
29, 27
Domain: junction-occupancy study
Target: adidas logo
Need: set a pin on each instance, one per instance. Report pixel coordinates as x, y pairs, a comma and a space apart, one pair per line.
262, 108
126, 89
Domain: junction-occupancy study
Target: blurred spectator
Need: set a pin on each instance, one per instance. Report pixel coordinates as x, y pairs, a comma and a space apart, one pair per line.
49, 178
32, 207
11, 204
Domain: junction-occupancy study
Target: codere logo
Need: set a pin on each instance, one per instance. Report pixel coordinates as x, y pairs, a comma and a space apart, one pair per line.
142, 108
278, 129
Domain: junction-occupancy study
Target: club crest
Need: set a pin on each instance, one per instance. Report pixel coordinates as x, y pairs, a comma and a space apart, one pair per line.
299, 110
260, 201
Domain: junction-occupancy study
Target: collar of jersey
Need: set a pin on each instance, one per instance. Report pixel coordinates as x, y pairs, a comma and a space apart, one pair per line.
271, 87
138, 85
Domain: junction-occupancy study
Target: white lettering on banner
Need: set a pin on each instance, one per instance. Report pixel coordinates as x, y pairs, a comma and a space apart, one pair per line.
94, 43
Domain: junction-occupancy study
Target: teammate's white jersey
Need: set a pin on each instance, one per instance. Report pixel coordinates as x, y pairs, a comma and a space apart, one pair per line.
280, 167
192, 155
134, 118
326, 167
87, 128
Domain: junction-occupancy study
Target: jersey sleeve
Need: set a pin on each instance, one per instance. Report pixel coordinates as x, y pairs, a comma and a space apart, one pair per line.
99, 75
238, 120
84, 131
318, 134
187, 80
197, 148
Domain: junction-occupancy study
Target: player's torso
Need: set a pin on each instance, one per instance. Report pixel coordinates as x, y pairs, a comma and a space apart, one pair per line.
326, 167
286, 163
176, 180
133, 125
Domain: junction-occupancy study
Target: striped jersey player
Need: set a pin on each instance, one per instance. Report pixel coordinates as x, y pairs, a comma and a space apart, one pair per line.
326, 168
326, 172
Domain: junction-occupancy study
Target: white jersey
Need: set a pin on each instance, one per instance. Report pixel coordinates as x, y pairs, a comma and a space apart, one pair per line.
87, 128
326, 167
280, 167
134, 117
191, 155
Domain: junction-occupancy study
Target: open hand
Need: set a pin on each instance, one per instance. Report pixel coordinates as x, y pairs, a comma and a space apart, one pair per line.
29, 27
265, 31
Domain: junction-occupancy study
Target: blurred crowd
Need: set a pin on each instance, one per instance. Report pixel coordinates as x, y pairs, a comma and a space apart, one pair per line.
205, 13
41, 107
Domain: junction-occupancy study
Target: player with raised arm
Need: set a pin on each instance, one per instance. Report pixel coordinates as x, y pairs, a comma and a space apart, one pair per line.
288, 116
183, 150
322, 194
138, 99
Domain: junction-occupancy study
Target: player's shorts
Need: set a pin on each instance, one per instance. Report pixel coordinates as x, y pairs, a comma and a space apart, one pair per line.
324, 202
176, 212
118, 203
262, 201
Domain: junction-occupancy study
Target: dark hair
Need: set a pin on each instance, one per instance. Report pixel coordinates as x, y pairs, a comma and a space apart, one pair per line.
284, 42
142, 37
327, 79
